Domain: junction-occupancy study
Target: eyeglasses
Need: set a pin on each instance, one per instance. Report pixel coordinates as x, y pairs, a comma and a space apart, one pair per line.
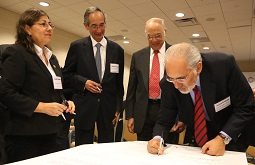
46, 25
100, 26
181, 79
156, 36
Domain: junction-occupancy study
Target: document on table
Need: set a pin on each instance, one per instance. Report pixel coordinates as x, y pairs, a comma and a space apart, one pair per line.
193, 156
126, 153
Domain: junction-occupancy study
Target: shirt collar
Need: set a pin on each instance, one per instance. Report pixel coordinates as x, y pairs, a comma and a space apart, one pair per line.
198, 82
161, 50
39, 51
103, 42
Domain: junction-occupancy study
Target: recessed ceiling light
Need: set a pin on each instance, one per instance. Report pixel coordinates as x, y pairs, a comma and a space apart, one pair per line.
206, 48
195, 35
44, 4
179, 15
125, 42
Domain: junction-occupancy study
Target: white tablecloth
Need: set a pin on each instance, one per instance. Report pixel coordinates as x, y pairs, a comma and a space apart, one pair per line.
134, 153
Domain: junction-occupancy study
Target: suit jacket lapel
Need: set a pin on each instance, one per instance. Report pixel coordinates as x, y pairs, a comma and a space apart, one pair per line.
146, 67
187, 110
55, 66
42, 66
208, 90
167, 46
107, 59
89, 53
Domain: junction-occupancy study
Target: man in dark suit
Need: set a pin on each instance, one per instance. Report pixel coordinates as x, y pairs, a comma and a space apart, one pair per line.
211, 96
3, 113
143, 94
94, 69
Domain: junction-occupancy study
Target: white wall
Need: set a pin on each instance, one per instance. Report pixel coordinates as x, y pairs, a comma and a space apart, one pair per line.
250, 76
60, 42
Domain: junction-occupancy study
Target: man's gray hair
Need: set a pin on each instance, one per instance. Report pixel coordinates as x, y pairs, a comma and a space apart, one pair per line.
90, 10
187, 50
156, 20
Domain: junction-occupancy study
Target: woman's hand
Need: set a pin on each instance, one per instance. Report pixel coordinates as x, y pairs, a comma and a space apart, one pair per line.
70, 107
51, 109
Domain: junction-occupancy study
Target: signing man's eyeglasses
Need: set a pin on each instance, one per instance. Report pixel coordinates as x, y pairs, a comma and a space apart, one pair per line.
180, 79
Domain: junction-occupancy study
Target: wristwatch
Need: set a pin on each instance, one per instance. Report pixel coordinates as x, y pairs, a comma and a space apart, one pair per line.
226, 139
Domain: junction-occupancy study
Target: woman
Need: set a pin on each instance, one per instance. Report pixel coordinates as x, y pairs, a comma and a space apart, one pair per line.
32, 89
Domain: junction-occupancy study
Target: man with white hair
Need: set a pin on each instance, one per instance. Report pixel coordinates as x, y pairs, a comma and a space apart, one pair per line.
146, 71
211, 96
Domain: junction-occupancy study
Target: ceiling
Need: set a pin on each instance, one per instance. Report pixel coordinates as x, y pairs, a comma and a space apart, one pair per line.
224, 25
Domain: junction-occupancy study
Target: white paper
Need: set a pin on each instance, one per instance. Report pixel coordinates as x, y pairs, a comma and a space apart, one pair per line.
134, 153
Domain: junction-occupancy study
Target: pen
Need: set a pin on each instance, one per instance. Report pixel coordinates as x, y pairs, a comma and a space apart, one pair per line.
99, 89
63, 116
160, 144
66, 104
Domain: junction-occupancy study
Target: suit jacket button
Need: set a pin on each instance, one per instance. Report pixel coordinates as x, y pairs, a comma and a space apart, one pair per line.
98, 100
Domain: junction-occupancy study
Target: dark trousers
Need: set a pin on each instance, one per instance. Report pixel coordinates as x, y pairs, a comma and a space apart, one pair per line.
150, 121
62, 135
4, 117
104, 129
119, 129
151, 116
2, 153
25, 147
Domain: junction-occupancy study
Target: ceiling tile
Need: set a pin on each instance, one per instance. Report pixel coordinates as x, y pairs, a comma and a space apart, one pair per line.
121, 13
79, 7
171, 4
145, 8
128, 17
199, 3
213, 8
240, 39
107, 5
133, 2
70, 2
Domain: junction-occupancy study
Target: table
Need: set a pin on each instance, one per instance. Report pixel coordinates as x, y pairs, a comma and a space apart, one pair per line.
133, 153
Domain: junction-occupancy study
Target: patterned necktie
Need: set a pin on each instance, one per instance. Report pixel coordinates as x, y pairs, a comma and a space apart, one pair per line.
200, 129
154, 89
98, 60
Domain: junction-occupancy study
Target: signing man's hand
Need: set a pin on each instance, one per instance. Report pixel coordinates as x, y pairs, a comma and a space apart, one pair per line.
154, 147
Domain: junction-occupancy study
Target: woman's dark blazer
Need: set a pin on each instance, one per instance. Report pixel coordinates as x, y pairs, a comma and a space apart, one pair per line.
25, 82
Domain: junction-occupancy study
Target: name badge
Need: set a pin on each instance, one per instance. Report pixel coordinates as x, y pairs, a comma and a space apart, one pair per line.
114, 68
57, 83
222, 104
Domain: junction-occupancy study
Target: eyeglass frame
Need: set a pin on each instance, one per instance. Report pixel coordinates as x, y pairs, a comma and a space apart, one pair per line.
46, 25
100, 26
157, 36
180, 79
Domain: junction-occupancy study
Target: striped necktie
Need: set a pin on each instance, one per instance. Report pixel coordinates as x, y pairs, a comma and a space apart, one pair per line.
200, 129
